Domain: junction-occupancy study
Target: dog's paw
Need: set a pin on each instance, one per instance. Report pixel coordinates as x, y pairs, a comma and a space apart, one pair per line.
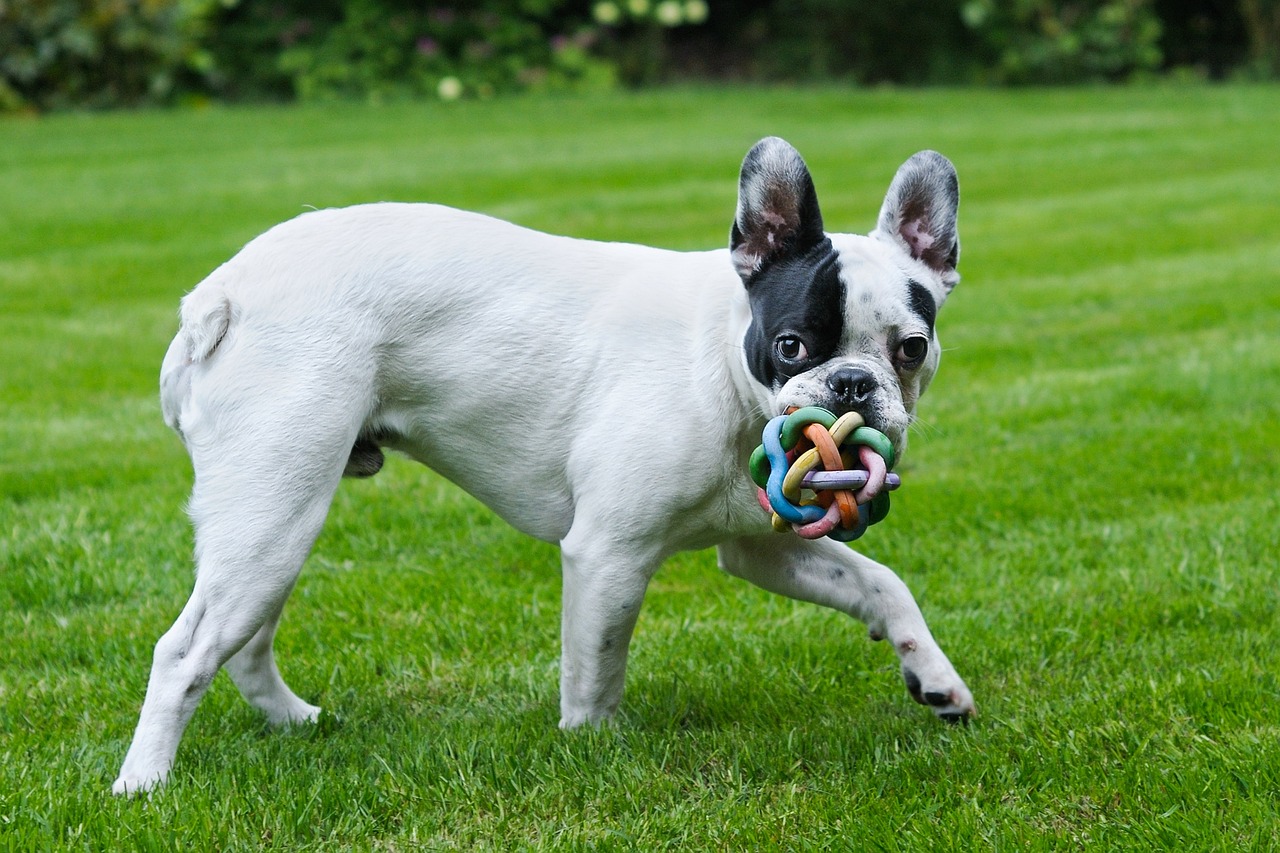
131, 784
944, 693
294, 712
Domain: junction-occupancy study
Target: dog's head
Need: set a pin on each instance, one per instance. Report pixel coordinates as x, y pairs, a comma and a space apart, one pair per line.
843, 321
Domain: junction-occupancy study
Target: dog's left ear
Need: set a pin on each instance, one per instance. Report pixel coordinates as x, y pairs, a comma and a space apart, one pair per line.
919, 213
778, 213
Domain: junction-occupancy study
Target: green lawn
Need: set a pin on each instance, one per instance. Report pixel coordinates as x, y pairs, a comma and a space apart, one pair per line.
1089, 515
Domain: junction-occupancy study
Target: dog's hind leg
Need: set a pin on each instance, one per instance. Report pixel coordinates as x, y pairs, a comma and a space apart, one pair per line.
264, 481
254, 671
248, 560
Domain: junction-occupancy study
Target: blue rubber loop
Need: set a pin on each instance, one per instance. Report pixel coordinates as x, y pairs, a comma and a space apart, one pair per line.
843, 534
777, 457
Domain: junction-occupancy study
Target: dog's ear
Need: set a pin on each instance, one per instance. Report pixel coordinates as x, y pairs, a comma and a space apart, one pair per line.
778, 211
919, 213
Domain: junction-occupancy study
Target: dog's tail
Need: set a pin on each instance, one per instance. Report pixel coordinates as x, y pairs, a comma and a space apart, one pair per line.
205, 318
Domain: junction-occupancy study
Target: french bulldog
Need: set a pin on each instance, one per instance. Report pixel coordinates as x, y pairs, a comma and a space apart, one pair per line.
540, 374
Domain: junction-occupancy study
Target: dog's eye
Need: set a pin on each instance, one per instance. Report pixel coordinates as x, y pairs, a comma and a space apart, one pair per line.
912, 350
791, 348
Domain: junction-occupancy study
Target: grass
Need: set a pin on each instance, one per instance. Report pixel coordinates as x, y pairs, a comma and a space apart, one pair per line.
1088, 521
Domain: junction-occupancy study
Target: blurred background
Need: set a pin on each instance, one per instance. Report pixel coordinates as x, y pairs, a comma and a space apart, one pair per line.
57, 54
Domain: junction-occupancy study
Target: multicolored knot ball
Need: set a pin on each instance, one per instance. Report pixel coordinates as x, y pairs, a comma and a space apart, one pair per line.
820, 475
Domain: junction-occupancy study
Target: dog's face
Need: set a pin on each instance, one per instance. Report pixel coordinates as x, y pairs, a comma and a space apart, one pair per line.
843, 321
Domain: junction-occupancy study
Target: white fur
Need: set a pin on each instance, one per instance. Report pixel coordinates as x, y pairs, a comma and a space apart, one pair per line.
538, 373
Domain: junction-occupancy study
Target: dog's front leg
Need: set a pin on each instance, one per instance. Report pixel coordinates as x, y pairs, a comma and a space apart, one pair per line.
604, 586
830, 573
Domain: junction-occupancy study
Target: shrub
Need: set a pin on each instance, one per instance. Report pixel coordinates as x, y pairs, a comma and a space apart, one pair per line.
61, 53
1066, 41
860, 41
1262, 20
56, 53
380, 49
632, 35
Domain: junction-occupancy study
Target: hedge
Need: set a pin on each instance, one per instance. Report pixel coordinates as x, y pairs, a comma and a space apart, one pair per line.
100, 53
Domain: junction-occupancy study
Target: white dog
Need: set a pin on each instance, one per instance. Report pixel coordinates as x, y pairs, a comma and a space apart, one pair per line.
540, 374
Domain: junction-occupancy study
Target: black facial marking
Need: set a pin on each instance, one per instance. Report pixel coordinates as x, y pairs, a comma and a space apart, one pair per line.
800, 295
922, 303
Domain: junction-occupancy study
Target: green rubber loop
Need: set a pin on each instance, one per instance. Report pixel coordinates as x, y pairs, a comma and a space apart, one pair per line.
760, 467
801, 418
878, 508
876, 440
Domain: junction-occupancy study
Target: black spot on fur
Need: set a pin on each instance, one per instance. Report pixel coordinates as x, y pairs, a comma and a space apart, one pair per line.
913, 685
937, 700
922, 303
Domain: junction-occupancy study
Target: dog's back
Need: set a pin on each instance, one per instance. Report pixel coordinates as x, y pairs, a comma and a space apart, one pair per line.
415, 318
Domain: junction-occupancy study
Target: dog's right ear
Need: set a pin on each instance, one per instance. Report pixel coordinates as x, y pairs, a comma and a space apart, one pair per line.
778, 211
919, 214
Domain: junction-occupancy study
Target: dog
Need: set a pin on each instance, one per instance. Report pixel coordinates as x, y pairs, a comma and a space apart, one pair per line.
539, 373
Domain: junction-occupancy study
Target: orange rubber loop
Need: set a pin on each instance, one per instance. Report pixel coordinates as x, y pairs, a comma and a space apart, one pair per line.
831, 461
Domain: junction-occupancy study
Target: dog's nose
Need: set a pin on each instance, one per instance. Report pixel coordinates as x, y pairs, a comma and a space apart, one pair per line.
851, 385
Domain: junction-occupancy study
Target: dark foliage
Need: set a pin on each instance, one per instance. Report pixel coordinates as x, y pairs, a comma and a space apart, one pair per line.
77, 53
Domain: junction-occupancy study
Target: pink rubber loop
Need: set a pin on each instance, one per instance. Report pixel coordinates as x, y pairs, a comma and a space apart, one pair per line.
821, 527
876, 472
764, 500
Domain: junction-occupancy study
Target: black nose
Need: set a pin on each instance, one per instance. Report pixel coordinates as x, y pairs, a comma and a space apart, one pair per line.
851, 385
